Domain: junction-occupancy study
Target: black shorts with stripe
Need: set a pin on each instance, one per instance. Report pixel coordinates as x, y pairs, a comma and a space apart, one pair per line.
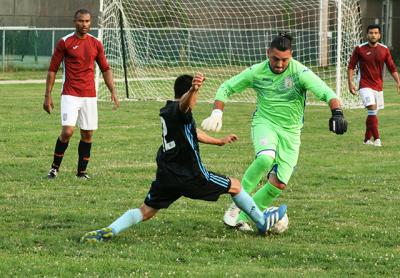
167, 188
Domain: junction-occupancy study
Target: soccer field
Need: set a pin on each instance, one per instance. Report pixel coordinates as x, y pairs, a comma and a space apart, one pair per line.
343, 200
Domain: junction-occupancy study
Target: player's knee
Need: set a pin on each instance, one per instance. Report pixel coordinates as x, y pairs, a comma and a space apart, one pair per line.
147, 212
265, 159
66, 134
86, 135
273, 179
235, 186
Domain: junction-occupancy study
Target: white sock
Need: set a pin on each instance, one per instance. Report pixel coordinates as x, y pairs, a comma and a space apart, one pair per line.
129, 218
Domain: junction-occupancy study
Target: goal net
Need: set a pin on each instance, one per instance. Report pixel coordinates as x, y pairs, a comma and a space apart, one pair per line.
149, 43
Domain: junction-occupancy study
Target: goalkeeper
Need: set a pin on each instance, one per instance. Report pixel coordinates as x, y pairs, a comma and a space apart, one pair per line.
281, 84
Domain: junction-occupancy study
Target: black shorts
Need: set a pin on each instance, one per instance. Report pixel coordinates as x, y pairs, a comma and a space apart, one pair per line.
167, 188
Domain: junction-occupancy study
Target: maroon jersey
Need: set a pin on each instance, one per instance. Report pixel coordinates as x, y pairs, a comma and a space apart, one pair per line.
78, 56
370, 62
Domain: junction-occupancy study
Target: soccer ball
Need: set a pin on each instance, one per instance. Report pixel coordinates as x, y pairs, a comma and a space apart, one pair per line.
280, 226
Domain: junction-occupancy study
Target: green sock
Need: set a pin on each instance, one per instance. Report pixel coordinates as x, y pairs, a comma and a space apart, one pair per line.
256, 171
263, 198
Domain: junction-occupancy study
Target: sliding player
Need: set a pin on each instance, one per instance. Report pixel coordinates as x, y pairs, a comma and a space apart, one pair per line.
180, 171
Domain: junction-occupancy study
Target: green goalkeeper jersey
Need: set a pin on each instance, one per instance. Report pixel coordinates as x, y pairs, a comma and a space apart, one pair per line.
280, 97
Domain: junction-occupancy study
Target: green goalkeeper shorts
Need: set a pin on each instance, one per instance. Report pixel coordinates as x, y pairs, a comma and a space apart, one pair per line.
268, 137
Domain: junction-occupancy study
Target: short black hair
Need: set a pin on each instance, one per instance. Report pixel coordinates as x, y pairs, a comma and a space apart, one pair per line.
373, 26
182, 85
81, 11
282, 42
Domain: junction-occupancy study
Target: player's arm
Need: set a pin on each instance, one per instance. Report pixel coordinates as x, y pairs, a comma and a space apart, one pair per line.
207, 139
55, 63
236, 84
393, 70
108, 79
311, 82
188, 100
350, 71
101, 61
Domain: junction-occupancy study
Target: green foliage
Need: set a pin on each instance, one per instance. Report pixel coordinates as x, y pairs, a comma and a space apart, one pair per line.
343, 199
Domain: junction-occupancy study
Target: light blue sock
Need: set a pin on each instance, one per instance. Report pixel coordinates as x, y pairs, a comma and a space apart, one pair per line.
129, 218
247, 204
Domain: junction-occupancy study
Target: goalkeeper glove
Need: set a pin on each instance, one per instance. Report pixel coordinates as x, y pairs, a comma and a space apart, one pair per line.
337, 122
214, 122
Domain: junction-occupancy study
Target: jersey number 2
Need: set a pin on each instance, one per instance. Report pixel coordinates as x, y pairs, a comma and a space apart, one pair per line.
166, 145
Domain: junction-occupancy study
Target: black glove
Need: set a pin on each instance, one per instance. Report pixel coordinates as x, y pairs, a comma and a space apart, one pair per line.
337, 122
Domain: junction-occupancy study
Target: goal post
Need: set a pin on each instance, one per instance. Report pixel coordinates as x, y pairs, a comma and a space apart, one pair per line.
164, 39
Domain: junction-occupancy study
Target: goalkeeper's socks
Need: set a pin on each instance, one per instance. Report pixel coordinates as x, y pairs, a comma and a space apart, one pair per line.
59, 151
264, 198
256, 171
247, 204
84, 155
129, 218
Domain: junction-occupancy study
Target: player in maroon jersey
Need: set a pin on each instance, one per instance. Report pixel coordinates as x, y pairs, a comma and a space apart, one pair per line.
77, 51
370, 58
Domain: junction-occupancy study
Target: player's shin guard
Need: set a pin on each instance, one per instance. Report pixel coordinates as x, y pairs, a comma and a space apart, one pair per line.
257, 169
84, 156
59, 151
129, 218
264, 198
247, 204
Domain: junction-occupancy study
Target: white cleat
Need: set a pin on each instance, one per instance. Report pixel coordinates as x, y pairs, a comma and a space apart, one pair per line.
231, 215
378, 143
368, 142
243, 226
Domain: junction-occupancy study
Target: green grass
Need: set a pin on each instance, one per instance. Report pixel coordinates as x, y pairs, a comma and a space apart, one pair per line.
343, 200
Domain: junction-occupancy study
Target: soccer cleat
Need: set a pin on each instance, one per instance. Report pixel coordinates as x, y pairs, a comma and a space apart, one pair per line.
231, 215
53, 172
98, 235
271, 216
83, 176
243, 226
368, 142
378, 143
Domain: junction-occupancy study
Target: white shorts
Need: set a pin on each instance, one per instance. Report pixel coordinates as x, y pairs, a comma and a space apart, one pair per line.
81, 110
371, 97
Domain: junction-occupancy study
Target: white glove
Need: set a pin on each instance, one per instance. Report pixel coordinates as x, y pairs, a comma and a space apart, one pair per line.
214, 122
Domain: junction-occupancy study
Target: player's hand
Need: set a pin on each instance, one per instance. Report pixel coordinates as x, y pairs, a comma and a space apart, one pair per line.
48, 104
398, 88
114, 98
352, 89
228, 139
214, 122
337, 123
197, 81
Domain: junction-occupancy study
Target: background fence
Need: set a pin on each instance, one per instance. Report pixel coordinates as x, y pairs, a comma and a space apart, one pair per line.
30, 47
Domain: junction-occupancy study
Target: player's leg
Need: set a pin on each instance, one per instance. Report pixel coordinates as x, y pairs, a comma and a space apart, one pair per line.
264, 221
85, 145
69, 115
160, 196
88, 122
265, 141
379, 106
129, 218
369, 101
286, 160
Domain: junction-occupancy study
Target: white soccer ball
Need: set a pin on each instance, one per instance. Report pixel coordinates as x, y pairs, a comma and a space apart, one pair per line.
280, 226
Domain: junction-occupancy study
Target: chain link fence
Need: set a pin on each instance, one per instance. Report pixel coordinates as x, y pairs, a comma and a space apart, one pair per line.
30, 47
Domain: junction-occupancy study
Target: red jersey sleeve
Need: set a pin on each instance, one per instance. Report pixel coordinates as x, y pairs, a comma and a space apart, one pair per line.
57, 56
389, 62
101, 59
354, 59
